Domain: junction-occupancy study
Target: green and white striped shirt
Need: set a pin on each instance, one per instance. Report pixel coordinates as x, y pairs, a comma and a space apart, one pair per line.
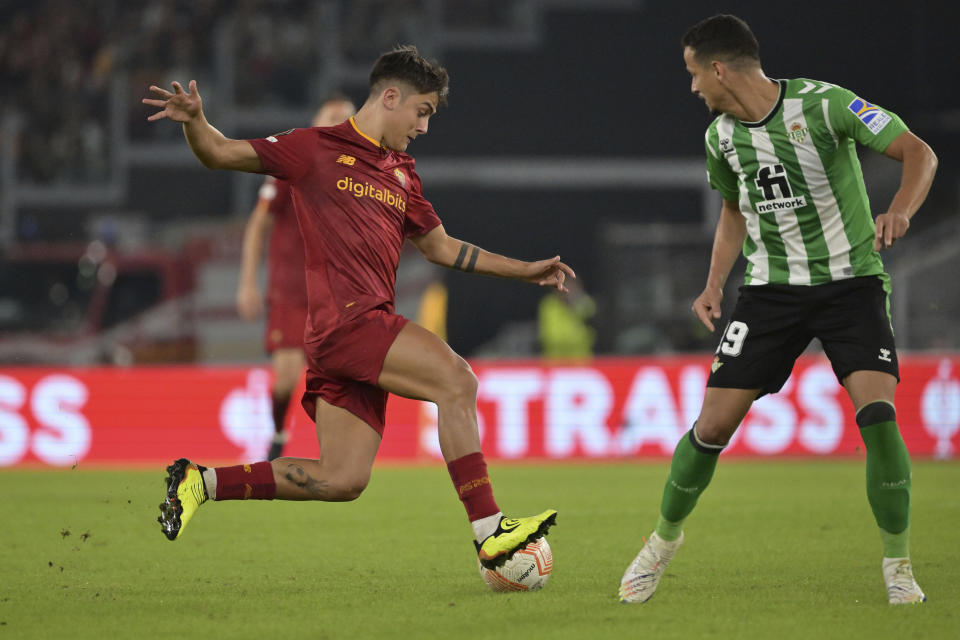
798, 181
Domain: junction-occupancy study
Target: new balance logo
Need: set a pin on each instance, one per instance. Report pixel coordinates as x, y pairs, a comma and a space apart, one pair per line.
884, 355
347, 160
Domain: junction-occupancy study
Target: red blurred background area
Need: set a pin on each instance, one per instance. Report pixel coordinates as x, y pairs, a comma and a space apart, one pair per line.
617, 408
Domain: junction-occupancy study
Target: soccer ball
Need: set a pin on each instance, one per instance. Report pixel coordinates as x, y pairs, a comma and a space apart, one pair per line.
527, 570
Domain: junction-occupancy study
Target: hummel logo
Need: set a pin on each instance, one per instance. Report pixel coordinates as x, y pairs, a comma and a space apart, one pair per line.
884, 355
347, 160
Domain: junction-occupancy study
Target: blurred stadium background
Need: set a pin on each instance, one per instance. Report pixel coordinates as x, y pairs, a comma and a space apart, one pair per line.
570, 130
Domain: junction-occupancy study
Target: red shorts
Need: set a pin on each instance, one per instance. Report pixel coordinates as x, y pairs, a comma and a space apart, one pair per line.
285, 324
344, 367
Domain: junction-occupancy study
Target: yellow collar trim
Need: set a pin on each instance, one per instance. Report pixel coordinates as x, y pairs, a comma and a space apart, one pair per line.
357, 129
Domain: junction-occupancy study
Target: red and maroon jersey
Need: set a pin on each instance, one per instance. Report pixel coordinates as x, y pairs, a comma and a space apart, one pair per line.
355, 202
286, 283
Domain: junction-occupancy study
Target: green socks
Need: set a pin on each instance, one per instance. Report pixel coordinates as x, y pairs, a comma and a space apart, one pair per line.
690, 472
888, 476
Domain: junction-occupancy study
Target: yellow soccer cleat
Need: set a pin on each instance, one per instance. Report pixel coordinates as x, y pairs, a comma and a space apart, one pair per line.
513, 534
185, 493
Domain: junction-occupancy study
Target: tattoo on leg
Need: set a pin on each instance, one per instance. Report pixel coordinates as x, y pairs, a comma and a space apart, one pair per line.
299, 477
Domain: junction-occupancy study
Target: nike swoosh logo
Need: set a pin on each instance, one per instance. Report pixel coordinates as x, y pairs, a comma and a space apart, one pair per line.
509, 524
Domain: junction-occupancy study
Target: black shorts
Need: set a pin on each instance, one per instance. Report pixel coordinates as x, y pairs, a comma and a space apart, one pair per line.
772, 324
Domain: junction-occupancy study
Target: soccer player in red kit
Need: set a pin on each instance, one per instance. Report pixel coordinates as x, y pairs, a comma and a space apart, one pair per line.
357, 197
286, 284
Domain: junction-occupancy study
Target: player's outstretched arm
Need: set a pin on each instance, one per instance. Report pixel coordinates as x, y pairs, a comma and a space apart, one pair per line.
445, 250
919, 166
727, 244
211, 147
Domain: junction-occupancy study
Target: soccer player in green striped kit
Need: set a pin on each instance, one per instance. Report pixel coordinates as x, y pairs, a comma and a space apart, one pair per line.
782, 155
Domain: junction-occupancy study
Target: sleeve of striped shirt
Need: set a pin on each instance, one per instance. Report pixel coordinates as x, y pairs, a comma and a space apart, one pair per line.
869, 124
721, 176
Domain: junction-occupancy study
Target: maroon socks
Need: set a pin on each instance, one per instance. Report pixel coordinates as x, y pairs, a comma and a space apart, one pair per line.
246, 482
470, 479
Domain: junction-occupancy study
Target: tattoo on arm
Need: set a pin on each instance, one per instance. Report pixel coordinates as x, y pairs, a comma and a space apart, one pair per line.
471, 261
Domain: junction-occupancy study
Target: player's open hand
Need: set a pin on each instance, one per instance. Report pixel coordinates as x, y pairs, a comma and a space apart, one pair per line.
707, 306
890, 228
549, 273
179, 106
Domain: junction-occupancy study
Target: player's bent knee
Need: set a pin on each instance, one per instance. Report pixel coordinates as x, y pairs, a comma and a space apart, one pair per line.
876, 411
467, 382
461, 383
714, 432
347, 489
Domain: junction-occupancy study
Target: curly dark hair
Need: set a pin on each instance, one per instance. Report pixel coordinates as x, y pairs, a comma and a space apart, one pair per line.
722, 37
405, 64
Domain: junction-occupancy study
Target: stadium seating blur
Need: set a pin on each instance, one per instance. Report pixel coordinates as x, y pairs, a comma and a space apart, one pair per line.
568, 115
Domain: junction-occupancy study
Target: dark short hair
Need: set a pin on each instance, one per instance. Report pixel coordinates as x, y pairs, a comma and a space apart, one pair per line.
405, 64
722, 37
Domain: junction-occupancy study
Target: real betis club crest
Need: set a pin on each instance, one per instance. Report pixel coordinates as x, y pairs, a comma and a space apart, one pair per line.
797, 132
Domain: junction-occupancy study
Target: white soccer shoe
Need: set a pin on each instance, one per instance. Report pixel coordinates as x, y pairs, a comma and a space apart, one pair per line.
641, 578
901, 587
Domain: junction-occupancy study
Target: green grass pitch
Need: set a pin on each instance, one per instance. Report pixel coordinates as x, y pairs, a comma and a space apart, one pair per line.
776, 549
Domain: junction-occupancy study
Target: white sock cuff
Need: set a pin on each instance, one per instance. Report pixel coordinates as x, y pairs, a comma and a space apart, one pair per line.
705, 445
210, 482
484, 527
